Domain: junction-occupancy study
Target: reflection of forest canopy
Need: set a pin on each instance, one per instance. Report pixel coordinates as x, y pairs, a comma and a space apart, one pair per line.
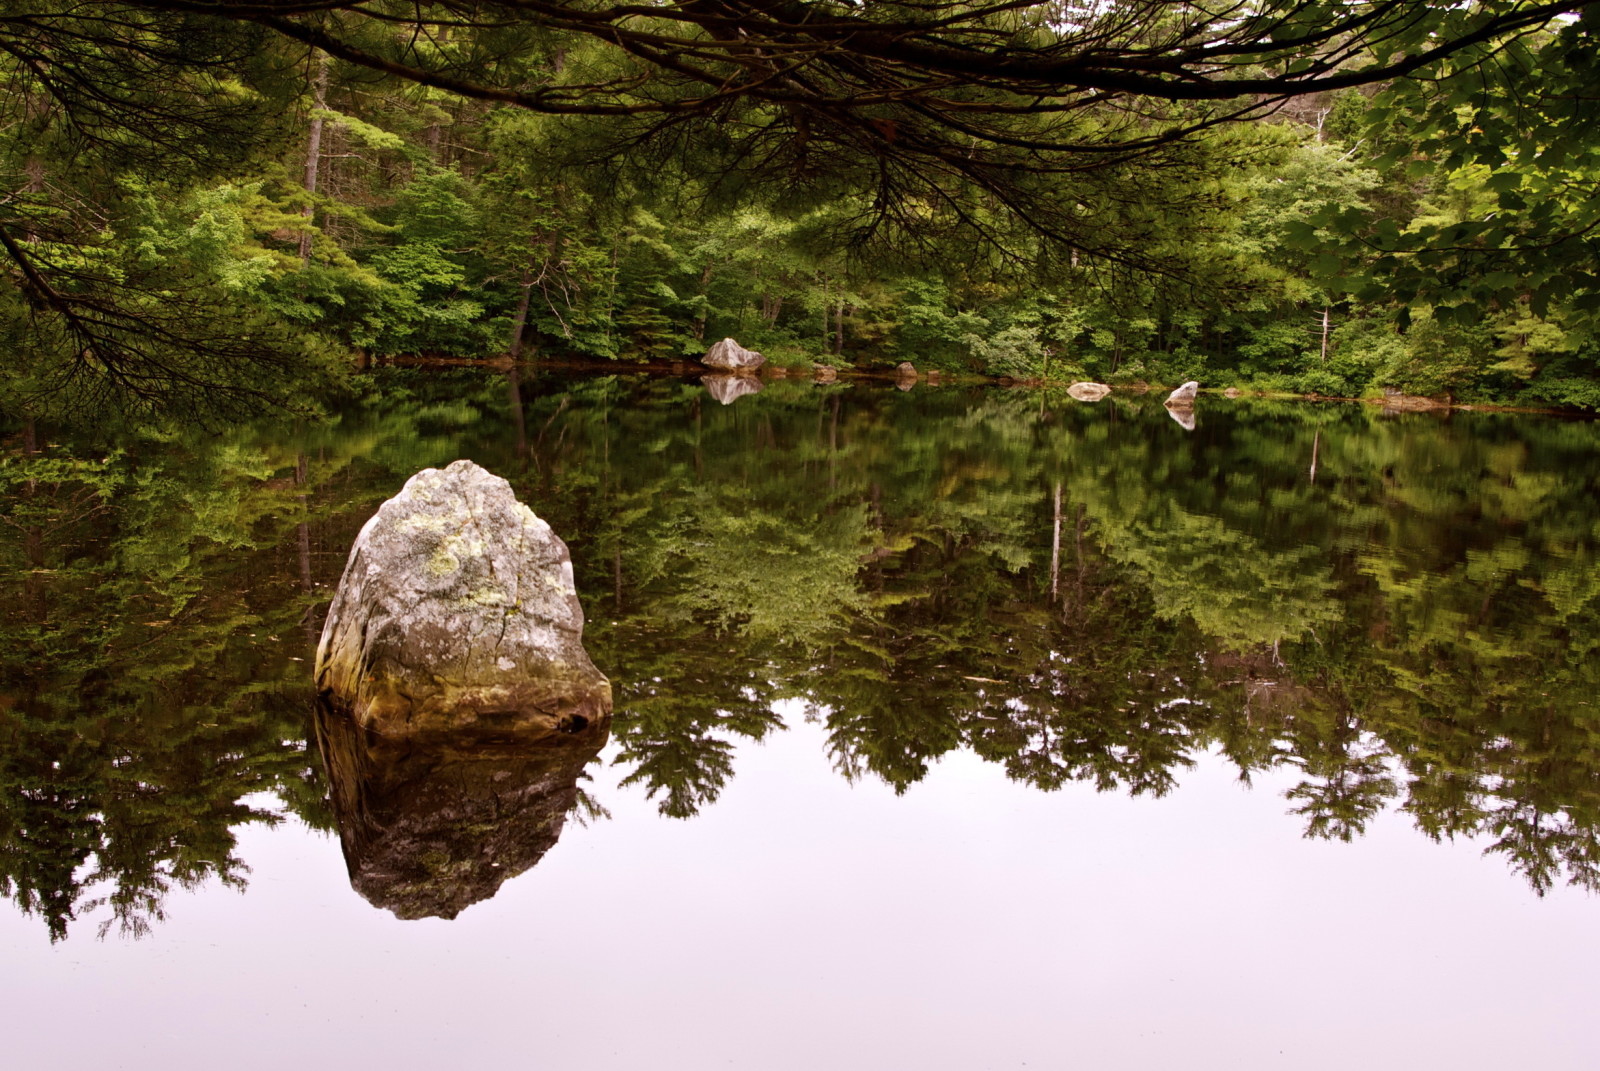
1078, 594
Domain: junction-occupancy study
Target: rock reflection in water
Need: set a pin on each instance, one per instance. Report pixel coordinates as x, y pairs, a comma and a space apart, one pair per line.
432, 825
729, 389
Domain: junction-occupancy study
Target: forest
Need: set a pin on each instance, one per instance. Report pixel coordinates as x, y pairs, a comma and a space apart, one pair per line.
215, 207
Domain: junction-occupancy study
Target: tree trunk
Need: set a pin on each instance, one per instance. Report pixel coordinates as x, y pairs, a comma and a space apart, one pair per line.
705, 289
314, 153
520, 322
838, 324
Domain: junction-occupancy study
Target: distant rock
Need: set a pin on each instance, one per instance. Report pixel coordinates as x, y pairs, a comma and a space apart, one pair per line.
457, 613
729, 356
1183, 397
906, 370
729, 389
823, 373
1088, 392
1410, 403
1232, 392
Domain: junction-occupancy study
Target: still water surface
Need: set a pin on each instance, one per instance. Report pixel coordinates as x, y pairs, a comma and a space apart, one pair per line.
953, 730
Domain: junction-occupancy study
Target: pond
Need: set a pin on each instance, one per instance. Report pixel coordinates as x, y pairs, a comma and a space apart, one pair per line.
954, 728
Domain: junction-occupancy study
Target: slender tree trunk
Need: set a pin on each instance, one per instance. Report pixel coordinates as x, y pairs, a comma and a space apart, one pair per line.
838, 333
34, 170
827, 329
314, 153
520, 321
705, 296
1324, 334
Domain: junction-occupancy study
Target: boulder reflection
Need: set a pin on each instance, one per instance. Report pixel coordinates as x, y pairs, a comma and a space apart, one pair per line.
432, 825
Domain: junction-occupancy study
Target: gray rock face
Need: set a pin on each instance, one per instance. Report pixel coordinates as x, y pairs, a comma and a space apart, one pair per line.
729, 389
1184, 395
906, 370
1088, 392
457, 612
729, 356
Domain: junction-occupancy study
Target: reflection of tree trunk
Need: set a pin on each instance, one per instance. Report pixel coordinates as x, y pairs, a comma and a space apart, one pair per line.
699, 466
1077, 550
314, 154
833, 446
33, 587
303, 539
518, 420
1055, 548
1316, 442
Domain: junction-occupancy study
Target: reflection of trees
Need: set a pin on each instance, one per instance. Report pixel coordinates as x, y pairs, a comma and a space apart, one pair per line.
1356, 621
1079, 594
145, 689
155, 602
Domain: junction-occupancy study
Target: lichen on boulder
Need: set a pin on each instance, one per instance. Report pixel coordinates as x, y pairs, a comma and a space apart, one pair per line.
457, 611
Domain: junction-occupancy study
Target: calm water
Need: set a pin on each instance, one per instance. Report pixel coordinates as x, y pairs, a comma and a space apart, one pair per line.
953, 730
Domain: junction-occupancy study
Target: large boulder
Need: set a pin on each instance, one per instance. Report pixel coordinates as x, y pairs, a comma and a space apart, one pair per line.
1088, 392
457, 612
1183, 397
729, 356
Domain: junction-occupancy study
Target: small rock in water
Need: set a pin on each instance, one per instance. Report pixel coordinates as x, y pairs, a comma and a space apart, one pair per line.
1184, 395
729, 356
1088, 392
457, 611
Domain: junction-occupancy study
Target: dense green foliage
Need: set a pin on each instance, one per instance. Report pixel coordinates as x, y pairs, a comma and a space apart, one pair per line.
204, 210
1404, 609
